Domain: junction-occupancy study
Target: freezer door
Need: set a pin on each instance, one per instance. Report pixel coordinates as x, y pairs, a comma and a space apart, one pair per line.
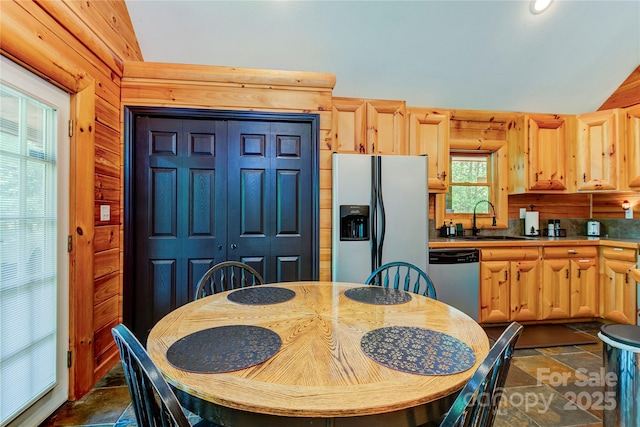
351, 181
406, 205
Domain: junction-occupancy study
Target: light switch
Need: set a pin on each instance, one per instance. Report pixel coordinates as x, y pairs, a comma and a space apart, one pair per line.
523, 213
105, 213
628, 214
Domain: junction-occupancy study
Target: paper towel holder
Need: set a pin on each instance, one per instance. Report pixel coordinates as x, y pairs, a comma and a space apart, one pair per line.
531, 223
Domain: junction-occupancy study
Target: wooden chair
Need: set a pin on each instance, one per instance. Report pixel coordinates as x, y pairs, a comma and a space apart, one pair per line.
154, 402
478, 401
402, 275
225, 276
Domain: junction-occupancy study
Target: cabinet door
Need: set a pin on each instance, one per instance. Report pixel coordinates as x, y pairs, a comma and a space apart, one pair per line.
633, 147
618, 291
386, 127
525, 290
597, 151
584, 287
349, 125
494, 291
546, 138
556, 291
429, 134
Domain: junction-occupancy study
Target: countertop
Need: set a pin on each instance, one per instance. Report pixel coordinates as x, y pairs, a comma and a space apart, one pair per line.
442, 242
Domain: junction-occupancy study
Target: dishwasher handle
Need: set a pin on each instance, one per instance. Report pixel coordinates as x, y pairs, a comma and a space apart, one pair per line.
454, 256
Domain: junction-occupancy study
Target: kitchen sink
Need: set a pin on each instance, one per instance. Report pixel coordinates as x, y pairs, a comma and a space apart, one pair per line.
495, 238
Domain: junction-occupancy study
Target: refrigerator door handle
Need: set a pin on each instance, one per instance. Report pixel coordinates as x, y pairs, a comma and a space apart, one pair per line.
383, 221
373, 216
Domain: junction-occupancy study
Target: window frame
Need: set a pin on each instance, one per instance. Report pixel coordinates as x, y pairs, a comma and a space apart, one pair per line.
22, 80
497, 151
453, 183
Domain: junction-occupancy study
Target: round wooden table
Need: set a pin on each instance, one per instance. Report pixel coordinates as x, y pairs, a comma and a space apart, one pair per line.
320, 375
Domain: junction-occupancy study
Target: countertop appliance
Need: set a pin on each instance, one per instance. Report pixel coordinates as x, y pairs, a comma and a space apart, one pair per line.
593, 228
380, 213
455, 273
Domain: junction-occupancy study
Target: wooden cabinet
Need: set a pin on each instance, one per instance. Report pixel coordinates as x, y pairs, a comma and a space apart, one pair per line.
632, 123
368, 126
618, 289
429, 134
509, 284
597, 150
569, 282
538, 153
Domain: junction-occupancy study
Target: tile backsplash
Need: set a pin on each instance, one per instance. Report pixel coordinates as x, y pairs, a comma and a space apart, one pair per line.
611, 228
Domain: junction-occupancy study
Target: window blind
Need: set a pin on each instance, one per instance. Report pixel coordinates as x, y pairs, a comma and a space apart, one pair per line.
28, 293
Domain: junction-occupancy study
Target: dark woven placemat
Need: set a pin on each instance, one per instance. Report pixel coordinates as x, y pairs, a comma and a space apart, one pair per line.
378, 295
417, 350
260, 295
224, 349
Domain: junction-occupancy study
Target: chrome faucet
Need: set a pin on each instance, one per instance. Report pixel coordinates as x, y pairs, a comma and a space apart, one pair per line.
474, 229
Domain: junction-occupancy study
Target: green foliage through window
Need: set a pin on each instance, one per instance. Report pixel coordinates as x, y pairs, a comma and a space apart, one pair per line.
469, 183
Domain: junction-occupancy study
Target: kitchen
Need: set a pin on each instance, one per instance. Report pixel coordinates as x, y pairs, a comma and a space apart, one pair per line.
102, 82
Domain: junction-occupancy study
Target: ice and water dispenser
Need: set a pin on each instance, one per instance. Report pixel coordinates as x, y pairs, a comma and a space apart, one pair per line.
354, 222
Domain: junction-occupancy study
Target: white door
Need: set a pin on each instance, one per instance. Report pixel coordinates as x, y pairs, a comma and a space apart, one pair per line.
34, 300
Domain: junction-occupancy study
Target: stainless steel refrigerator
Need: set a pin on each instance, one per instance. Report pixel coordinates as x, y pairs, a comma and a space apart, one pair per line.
379, 213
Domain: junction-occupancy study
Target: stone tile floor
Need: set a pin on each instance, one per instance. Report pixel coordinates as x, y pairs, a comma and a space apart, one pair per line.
546, 387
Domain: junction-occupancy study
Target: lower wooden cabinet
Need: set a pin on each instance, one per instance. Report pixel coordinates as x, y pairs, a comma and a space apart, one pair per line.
618, 287
509, 284
552, 283
569, 282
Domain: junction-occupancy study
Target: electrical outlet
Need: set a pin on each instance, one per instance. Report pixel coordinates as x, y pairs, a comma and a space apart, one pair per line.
105, 213
523, 213
628, 214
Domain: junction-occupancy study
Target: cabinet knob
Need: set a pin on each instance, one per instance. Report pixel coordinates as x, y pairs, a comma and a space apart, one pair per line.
233, 246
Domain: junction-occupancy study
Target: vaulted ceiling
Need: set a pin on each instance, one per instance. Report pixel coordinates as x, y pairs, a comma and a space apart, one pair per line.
486, 55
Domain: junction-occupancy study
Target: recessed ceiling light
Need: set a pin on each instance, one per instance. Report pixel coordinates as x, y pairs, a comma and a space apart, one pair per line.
539, 6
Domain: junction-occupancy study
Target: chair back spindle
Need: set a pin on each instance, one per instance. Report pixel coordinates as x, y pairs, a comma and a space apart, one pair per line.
477, 403
154, 402
404, 276
226, 276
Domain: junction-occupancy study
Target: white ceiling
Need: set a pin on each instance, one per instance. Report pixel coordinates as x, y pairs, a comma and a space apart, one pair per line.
486, 55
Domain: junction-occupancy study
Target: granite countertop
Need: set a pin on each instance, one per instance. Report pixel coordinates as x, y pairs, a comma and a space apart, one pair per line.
443, 242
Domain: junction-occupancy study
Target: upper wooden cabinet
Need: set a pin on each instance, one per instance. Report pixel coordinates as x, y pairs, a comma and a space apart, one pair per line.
429, 134
368, 126
538, 153
598, 156
632, 122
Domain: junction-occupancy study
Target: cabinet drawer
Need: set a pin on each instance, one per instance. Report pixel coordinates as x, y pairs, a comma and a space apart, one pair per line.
622, 254
570, 252
509, 254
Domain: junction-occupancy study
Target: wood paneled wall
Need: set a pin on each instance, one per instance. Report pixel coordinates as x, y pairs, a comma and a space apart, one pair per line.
80, 47
89, 49
627, 94
585, 205
226, 88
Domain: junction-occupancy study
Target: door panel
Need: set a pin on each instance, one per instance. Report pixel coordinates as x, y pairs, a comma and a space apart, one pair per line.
270, 190
179, 212
209, 190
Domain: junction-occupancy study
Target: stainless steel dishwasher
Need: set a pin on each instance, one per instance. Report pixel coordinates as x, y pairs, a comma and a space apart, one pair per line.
455, 273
